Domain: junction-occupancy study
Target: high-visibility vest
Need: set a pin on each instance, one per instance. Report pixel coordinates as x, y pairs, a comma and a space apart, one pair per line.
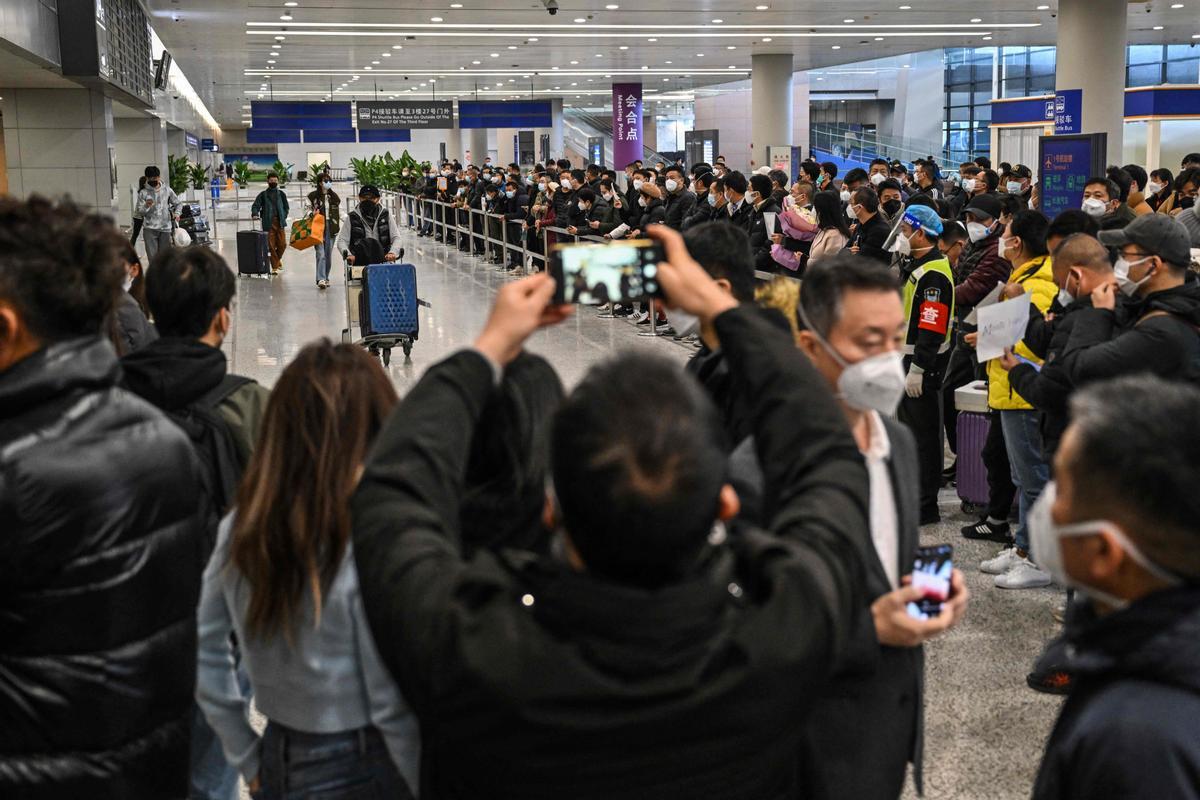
928, 305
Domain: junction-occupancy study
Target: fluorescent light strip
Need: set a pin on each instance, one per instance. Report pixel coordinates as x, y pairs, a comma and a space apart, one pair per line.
508, 26
438, 73
347, 94
596, 35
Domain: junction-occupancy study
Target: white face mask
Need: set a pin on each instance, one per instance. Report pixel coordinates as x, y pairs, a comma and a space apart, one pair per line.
607, 196
582, 206
878, 178
1121, 273
968, 184
642, 202
1045, 541
637, 184
128, 284
1153, 188
977, 231
751, 197
541, 187
565, 183
852, 213
1094, 206
672, 184
845, 196
874, 384
1014, 187
902, 245
1065, 298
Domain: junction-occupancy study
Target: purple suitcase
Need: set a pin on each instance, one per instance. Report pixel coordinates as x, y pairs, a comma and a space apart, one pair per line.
971, 473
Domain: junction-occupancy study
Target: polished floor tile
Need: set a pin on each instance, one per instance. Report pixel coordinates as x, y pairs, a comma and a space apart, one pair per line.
985, 730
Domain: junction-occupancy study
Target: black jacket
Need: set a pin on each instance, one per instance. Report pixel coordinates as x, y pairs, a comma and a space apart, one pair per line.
1131, 726
701, 213
1163, 341
869, 237
100, 563
655, 213
517, 207
132, 326
760, 237
743, 216
679, 206
533, 680
869, 723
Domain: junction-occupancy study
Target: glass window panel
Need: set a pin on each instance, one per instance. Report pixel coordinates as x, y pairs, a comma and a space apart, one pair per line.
1183, 71
983, 73
1041, 61
960, 98
959, 74
1176, 52
1145, 75
1145, 54
983, 114
1013, 88
982, 97
1043, 84
960, 113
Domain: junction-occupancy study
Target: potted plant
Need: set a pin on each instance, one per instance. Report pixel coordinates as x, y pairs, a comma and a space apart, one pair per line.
241, 174
198, 175
315, 171
284, 171
177, 173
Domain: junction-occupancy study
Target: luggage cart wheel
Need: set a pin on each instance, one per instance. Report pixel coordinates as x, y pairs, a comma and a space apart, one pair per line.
374, 351
387, 356
408, 350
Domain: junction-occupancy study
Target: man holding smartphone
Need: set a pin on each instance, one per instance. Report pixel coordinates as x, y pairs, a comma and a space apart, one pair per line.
868, 726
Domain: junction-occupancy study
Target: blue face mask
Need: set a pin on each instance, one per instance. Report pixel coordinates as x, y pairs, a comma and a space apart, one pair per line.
510, 195
328, 185
712, 200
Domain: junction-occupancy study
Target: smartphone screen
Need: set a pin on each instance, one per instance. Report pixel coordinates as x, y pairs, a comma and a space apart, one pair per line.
442, 184
931, 574
595, 274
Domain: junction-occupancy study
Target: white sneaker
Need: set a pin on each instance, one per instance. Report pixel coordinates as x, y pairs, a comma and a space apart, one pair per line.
1005, 560
1024, 575
640, 316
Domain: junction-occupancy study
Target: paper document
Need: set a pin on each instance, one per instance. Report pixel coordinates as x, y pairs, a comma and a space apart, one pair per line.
1001, 325
991, 298
619, 231
769, 219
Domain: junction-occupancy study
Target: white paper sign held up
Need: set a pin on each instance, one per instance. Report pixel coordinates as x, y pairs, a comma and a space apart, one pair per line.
1001, 325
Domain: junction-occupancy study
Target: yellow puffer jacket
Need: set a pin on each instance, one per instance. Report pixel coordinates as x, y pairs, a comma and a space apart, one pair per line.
1038, 279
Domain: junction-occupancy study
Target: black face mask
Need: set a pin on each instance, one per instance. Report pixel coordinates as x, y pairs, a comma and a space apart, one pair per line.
1187, 202
891, 207
272, 185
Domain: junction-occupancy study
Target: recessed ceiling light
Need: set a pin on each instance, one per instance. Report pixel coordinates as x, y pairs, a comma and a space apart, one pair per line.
666, 79
731, 66
574, 84
580, 19
666, 62
1176, 5
494, 55
717, 21
731, 47
512, 47
532, 39
286, 17
612, 6
269, 61
279, 38
699, 55
624, 47
1043, 8
397, 47
475, 62
456, 5
599, 55
1158, 27
836, 47
905, 8
386, 55
574, 62
652, 40
761, 8
368, 67
976, 19
435, 19
375, 62
987, 38
291, 3
645, 67
556, 88
847, 21
766, 38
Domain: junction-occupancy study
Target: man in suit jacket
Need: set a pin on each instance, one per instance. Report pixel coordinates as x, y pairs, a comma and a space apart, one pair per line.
868, 725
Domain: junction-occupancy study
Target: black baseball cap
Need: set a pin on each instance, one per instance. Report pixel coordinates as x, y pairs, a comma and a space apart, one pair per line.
1157, 234
368, 191
1022, 171
984, 205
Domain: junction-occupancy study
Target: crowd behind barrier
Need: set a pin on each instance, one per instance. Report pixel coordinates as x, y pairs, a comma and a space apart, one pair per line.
720, 594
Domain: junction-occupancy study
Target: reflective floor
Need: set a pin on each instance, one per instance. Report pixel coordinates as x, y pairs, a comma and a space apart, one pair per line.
985, 730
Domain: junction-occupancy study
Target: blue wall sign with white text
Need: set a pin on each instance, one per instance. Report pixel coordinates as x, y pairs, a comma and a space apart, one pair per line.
1068, 111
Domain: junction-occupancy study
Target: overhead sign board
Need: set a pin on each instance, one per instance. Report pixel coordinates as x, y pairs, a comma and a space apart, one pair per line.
1066, 162
380, 114
209, 145
1068, 111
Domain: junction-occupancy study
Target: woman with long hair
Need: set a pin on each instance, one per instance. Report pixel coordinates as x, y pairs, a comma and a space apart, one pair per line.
833, 231
130, 329
282, 580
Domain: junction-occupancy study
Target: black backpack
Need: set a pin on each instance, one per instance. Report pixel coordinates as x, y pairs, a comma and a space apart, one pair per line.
221, 463
366, 243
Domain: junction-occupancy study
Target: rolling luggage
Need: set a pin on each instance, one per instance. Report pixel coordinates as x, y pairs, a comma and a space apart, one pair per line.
973, 423
388, 303
253, 255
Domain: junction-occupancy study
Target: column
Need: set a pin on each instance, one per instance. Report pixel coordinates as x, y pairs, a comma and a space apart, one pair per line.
1153, 145
770, 104
141, 141
475, 141
61, 142
1092, 35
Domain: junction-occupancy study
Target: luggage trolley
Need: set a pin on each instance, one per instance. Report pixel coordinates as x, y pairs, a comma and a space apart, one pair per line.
382, 302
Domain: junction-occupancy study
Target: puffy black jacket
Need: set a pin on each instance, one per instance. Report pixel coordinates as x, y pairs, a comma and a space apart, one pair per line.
1165, 339
100, 564
679, 206
1131, 727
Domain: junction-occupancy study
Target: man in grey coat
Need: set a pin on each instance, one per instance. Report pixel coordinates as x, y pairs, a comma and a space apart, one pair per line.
868, 726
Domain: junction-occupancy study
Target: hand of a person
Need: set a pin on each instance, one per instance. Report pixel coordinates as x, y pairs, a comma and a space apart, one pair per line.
1008, 360
776, 238
1105, 296
521, 308
685, 284
594, 224
914, 382
572, 230
895, 628
254, 786
854, 249
350, 260
971, 338
633, 234
1012, 290
390, 257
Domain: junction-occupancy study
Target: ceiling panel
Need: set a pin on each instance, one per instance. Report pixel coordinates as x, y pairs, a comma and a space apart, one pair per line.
504, 48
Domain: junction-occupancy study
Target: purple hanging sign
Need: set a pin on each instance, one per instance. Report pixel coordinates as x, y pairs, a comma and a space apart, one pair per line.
627, 123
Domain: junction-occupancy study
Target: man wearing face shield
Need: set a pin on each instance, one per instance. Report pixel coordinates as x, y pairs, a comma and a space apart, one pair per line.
1151, 268
1120, 526
929, 309
868, 726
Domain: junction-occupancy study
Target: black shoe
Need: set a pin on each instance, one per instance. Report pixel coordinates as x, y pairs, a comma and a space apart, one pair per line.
950, 475
667, 331
622, 311
930, 518
988, 531
1051, 682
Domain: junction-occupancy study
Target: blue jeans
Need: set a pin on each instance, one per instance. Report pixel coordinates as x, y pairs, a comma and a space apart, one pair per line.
324, 252
353, 764
1023, 441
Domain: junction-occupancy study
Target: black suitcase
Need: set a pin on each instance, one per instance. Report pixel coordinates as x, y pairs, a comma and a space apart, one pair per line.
253, 256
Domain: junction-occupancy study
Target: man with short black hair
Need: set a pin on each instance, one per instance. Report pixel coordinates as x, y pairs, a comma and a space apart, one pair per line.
878, 172
870, 231
158, 207
855, 179
271, 207
1102, 200
101, 531
760, 235
1120, 525
647, 615
869, 725
679, 199
829, 171
740, 211
891, 200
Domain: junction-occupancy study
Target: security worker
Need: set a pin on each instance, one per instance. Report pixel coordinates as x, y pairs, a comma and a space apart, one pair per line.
929, 306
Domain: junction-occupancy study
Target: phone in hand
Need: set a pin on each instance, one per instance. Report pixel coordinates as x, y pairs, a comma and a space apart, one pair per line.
931, 572
595, 274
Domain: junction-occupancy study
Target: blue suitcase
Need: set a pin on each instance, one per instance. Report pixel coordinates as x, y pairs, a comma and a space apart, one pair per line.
388, 303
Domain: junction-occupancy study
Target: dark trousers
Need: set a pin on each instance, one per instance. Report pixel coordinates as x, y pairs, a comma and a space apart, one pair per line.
923, 416
335, 766
963, 369
137, 228
1001, 490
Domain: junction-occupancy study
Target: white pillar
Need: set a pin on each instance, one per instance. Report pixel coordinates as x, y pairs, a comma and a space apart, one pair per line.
475, 141
1153, 145
1092, 35
770, 104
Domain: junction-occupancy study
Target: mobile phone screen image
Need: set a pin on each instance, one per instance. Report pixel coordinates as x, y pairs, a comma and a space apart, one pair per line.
594, 274
931, 574
443, 184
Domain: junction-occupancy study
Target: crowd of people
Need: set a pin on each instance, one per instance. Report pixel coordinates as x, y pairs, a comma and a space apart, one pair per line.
665, 583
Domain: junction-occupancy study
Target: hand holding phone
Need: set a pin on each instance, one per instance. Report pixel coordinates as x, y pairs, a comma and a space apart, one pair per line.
932, 570
595, 274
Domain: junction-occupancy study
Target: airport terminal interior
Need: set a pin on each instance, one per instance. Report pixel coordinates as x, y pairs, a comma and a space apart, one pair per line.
491, 133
